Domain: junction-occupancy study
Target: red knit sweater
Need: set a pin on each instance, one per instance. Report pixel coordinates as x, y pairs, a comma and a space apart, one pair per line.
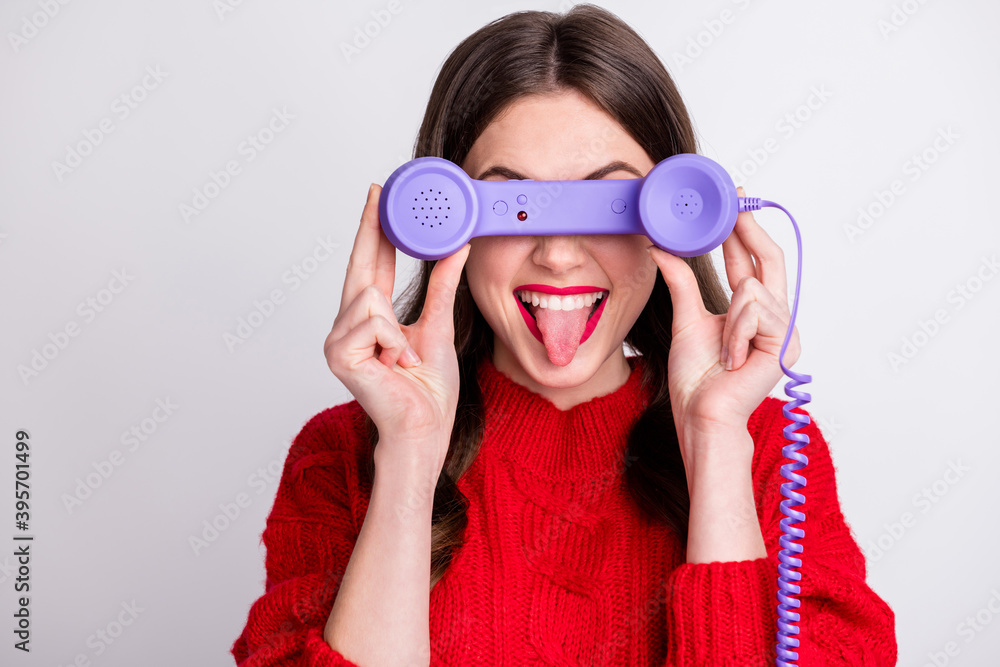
558, 566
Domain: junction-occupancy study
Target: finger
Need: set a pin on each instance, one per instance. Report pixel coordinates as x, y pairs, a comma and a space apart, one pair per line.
385, 271
439, 305
363, 267
739, 263
748, 290
762, 326
770, 259
685, 294
358, 348
372, 302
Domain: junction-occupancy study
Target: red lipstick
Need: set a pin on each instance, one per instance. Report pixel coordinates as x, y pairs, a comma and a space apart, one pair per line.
559, 291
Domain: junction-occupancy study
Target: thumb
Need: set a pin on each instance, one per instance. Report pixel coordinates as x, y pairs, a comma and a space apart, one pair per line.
439, 304
685, 294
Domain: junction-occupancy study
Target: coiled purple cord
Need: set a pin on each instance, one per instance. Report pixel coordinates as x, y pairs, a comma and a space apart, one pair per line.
787, 617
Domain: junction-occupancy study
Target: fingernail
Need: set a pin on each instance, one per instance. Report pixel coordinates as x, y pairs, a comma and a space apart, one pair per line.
411, 358
725, 356
371, 189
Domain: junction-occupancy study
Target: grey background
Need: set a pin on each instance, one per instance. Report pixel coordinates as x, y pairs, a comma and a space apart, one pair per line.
878, 99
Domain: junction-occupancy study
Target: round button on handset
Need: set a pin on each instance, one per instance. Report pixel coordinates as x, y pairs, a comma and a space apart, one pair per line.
687, 205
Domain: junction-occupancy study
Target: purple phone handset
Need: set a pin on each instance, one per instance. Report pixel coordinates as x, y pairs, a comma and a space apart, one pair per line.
686, 205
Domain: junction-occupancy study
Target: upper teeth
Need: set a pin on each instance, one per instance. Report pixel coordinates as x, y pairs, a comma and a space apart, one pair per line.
565, 302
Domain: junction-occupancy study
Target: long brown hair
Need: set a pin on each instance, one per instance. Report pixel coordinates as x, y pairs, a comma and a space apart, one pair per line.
535, 52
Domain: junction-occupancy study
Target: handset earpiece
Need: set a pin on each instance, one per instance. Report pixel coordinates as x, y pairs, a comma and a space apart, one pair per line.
688, 204
429, 207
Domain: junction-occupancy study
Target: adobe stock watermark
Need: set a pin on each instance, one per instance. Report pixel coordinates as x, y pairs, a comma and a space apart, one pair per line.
913, 168
637, 619
900, 15
786, 127
121, 108
105, 636
88, 310
248, 150
34, 23
960, 295
586, 502
231, 510
419, 496
924, 501
703, 40
7, 569
295, 276
225, 7
829, 427
969, 628
131, 439
366, 34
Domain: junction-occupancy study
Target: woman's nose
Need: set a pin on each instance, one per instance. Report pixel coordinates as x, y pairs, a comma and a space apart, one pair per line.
559, 253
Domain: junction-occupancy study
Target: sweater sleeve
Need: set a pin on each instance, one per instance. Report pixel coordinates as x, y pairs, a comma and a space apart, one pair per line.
725, 613
309, 536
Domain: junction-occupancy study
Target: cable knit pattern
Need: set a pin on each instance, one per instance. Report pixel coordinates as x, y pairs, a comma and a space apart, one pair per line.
558, 566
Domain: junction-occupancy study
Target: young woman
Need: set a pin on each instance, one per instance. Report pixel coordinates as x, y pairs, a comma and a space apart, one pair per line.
509, 485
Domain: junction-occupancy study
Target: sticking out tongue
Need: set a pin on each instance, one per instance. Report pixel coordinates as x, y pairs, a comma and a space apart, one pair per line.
561, 331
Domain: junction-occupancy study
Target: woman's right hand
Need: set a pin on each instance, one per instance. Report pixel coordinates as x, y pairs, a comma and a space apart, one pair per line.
412, 404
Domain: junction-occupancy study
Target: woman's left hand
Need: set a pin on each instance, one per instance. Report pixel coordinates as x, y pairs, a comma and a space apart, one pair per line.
707, 399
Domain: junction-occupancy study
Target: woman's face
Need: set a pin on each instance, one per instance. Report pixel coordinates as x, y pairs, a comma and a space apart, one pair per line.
559, 136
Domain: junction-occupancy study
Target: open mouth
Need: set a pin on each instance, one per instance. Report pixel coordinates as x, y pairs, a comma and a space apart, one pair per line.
530, 302
533, 309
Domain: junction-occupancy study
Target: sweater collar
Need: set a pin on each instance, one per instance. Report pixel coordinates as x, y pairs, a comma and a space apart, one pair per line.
527, 429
